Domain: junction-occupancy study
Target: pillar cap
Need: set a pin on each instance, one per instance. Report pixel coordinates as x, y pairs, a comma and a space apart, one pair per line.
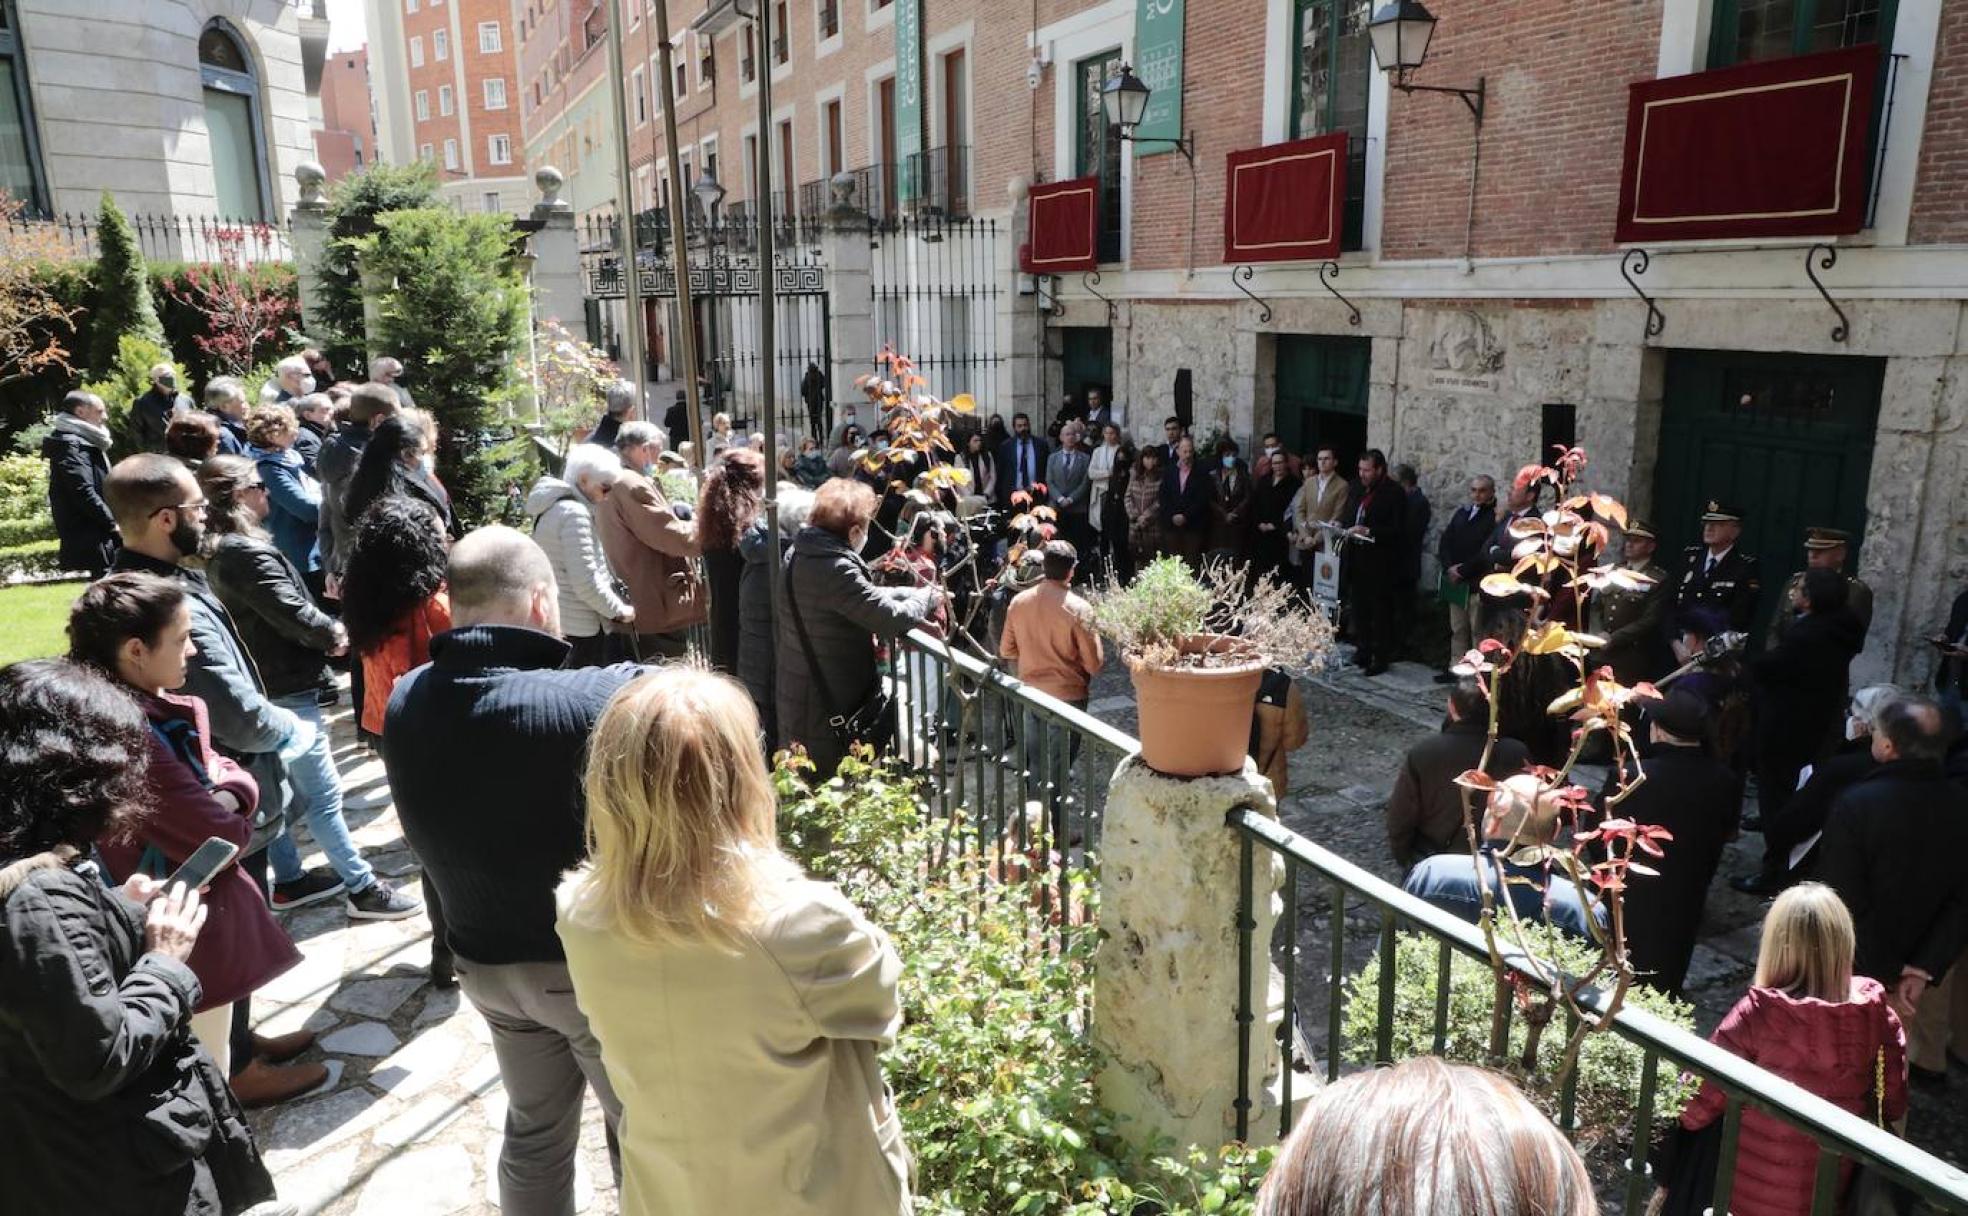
310, 176
550, 180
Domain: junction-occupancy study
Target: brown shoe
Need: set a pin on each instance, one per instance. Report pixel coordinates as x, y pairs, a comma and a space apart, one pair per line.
263, 1084
281, 1048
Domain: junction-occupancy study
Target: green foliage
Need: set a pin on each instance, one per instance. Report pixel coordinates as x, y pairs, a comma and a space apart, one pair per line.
353, 206
128, 378
573, 379
123, 303
35, 559
34, 620
992, 1070
1165, 603
24, 486
455, 310
1609, 1066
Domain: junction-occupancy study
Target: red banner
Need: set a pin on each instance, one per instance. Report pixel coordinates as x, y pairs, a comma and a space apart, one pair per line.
1286, 202
1777, 148
1062, 221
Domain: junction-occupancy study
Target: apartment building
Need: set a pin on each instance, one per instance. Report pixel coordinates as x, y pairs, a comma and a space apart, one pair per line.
345, 140
446, 92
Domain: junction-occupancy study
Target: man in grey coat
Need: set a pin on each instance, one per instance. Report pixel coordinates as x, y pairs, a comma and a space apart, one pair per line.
1068, 485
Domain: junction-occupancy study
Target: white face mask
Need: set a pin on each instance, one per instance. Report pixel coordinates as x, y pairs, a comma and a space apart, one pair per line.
428, 462
307, 385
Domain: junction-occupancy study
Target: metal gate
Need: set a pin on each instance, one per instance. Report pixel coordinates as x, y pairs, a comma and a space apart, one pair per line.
936, 288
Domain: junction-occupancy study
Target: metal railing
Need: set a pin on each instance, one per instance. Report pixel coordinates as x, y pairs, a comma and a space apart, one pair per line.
938, 181
1840, 1136
170, 238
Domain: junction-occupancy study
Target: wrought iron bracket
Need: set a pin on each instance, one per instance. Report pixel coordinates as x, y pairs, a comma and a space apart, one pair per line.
1476, 99
1089, 280
1635, 262
1327, 273
1242, 275
1843, 329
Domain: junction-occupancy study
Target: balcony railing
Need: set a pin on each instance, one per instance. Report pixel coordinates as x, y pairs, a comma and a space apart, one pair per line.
938, 181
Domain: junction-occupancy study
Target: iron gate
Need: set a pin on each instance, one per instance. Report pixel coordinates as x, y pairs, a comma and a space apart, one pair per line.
936, 287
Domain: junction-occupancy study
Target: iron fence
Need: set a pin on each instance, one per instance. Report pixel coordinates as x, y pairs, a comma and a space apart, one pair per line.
1840, 1136
169, 238
936, 291
939, 181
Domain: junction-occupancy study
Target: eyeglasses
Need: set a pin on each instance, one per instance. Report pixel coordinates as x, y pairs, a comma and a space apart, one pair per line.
253, 485
198, 506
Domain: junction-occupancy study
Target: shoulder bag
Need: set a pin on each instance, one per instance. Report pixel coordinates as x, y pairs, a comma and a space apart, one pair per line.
869, 724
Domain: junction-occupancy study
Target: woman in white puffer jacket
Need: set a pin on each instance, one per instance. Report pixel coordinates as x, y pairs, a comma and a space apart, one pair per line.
563, 526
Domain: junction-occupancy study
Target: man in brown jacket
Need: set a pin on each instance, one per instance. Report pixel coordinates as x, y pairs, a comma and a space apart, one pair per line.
1048, 634
1424, 813
650, 549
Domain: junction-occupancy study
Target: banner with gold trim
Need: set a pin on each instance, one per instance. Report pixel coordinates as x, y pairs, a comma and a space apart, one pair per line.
1285, 202
1062, 224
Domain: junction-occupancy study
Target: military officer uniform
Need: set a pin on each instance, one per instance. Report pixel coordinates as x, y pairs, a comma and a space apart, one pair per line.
1858, 596
1731, 584
1634, 622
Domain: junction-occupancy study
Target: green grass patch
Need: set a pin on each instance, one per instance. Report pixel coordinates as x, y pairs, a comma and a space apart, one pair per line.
34, 620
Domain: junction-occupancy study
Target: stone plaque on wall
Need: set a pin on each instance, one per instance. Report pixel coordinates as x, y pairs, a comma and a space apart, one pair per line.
1464, 353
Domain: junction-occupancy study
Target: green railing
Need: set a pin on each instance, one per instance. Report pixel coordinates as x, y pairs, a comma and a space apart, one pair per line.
1840, 1136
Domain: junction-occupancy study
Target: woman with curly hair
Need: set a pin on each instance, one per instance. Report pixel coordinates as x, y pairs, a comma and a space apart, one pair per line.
726, 506
105, 1085
293, 495
393, 599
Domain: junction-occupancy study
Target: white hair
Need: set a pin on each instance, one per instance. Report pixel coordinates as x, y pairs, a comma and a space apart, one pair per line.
1866, 701
292, 365
794, 507
621, 397
384, 365
590, 460
637, 434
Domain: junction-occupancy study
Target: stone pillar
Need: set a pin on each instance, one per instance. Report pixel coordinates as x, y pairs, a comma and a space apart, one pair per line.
1018, 321
850, 268
307, 225
373, 287
1165, 975
558, 292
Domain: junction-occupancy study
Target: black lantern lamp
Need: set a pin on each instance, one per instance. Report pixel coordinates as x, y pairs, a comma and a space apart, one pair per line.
1401, 31
1125, 99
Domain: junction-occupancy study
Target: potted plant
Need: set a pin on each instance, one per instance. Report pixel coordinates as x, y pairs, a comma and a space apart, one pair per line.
1197, 646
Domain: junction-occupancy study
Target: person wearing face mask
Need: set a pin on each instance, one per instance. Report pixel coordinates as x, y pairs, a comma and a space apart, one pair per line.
291, 379
829, 684
1230, 505
77, 452
840, 462
151, 414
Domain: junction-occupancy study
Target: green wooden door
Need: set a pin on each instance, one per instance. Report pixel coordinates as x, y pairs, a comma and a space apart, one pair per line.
1087, 361
1322, 394
1787, 439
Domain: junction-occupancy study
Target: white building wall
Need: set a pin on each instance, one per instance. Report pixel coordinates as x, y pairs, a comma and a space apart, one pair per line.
389, 82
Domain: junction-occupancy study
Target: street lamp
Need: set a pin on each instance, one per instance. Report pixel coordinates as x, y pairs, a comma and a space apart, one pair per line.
710, 195
1400, 32
1125, 99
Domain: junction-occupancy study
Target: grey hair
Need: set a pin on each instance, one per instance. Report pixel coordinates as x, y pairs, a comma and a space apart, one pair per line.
621, 398
636, 434
385, 365
1866, 701
587, 460
492, 574
291, 364
224, 388
794, 507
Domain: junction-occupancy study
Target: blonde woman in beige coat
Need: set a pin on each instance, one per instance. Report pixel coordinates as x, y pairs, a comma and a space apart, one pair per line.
739, 1005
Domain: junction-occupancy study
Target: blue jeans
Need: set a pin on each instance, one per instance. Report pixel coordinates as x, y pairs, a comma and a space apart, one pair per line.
318, 796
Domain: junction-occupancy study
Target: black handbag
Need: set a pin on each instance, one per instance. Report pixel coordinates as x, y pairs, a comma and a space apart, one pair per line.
1872, 1192
1686, 1170
873, 722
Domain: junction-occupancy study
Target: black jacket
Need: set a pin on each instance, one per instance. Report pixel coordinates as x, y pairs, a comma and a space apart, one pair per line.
307, 445
1415, 515
1733, 586
150, 417
1424, 813
76, 469
285, 631
107, 1104
1896, 850
484, 747
334, 467
1698, 799
1954, 671
1384, 511
1806, 811
1191, 502
1800, 685
1464, 537
755, 641
676, 420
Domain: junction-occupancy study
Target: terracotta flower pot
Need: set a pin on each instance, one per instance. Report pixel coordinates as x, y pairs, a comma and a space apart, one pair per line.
1196, 721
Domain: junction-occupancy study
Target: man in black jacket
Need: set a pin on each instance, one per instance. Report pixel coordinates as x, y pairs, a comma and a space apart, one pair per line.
368, 405
77, 452
1458, 551
1377, 513
1896, 851
496, 835
1424, 813
1717, 573
151, 414
1697, 798
1799, 689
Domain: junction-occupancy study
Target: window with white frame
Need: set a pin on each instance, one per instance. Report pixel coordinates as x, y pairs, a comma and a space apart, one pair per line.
489, 40
495, 93
423, 104
828, 18
409, 6
706, 60
445, 105
440, 45
639, 97
491, 198
498, 149
451, 154
424, 152
417, 51
782, 34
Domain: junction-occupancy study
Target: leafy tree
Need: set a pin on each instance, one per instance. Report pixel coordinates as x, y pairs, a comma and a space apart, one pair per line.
573, 379
122, 304
35, 324
245, 314
352, 208
454, 309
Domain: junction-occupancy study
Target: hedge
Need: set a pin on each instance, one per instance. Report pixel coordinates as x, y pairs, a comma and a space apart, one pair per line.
16, 532
36, 559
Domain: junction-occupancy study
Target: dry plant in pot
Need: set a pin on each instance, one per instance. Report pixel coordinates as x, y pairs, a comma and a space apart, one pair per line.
1197, 646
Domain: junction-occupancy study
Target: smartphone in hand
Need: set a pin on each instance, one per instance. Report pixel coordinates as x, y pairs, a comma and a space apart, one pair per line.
204, 864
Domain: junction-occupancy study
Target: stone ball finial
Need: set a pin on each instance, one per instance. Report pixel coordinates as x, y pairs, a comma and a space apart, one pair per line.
550, 180
311, 177
1017, 187
841, 186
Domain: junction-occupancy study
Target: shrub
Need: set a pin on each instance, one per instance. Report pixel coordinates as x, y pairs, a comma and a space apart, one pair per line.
1151, 617
23, 487
36, 559
127, 379
123, 303
353, 207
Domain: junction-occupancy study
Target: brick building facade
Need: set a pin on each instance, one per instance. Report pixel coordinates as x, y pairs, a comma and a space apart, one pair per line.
446, 91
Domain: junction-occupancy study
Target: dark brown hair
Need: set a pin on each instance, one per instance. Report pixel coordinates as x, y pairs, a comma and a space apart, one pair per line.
729, 501
116, 608
193, 436
142, 485
74, 750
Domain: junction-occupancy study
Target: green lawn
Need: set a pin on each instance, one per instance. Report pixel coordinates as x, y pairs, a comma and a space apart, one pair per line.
33, 619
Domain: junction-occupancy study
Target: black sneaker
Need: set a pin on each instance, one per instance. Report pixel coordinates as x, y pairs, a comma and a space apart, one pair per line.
310, 888
380, 901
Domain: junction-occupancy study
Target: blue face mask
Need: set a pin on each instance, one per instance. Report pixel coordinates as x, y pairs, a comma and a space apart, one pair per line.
1229, 462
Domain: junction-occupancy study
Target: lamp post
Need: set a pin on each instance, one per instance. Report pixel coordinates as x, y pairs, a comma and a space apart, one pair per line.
1400, 32
1125, 99
710, 195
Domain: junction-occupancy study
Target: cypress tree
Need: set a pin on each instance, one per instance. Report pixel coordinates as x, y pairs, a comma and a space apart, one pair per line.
122, 291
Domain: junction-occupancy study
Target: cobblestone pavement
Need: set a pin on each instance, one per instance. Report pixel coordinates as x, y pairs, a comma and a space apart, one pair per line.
410, 1121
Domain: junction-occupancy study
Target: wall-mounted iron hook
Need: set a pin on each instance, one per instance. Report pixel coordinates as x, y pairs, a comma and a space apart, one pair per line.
1843, 329
1089, 280
1327, 273
1635, 262
1242, 275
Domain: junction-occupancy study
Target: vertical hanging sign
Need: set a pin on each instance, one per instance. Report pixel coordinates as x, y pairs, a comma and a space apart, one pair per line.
1158, 62
908, 97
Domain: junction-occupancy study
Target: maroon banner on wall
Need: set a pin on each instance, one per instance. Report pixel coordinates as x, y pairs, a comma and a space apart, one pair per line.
1062, 221
1285, 202
1777, 148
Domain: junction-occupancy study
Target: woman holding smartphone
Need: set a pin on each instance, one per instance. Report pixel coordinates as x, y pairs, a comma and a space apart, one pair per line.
110, 1107
137, 629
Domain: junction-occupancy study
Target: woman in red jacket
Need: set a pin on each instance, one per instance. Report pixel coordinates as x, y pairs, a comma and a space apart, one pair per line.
137, 628
1809, 1020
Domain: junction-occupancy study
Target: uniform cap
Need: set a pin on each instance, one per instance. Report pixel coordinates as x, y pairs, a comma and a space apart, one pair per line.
1640, 527
1719, 511
1826, 538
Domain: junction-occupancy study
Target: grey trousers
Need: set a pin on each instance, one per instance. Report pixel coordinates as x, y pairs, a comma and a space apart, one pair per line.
547, 1057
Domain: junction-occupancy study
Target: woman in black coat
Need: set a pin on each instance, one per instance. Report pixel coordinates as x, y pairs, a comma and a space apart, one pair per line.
392, 462
1276, 488
110, 1107
727, 505
77, 452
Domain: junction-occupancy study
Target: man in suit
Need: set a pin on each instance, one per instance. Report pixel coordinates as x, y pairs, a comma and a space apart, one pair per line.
1824, 549
1067, 485
1320, 500
1021, 460
1697, 798
1460, 547
1633, 620
1716, 573
1424, 813
1377, 513
1172, 431
1520, 503
1100, 412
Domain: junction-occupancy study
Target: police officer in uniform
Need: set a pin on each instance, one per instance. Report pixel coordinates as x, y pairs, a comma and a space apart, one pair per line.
1824, 549
1717, 574
1634, 621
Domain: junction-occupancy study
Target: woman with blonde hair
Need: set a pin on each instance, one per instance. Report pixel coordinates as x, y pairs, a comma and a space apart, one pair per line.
740, 1007
1426, 1138
1809, 1020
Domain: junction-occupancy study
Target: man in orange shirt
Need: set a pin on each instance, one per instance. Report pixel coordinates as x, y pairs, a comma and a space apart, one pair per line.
1048, 634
